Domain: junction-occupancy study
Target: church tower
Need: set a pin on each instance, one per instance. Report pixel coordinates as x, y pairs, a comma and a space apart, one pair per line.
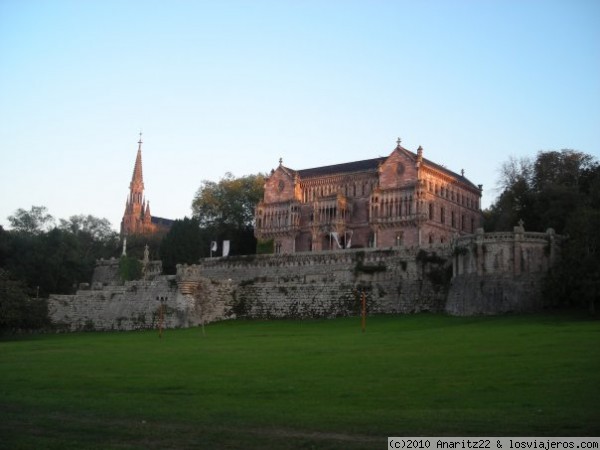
137, 218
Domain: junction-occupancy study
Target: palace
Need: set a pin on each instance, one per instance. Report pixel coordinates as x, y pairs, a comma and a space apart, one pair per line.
399, 200
137, 218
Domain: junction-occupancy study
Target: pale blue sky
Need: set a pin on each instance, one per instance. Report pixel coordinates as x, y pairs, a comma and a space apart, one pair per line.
234, 85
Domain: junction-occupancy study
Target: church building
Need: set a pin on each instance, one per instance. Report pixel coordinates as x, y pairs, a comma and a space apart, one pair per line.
137, 218
399, 200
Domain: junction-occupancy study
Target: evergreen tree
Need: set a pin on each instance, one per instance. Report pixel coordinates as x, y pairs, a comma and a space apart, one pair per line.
183, 244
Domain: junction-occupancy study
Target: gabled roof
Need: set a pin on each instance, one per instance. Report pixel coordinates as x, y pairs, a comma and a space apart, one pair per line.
350, 167
162, 221
368, 165
442, 169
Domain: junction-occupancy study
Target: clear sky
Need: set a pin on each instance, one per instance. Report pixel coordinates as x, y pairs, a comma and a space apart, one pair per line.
234, 85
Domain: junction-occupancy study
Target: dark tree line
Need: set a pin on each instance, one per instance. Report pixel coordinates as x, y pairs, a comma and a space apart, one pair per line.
39, 258
560, 190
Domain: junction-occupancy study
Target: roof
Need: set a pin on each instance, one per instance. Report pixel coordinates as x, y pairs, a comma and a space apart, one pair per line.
350, 167
461, 178
162, 221
367, 165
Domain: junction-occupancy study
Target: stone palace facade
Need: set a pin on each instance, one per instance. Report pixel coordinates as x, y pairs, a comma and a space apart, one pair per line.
401, 200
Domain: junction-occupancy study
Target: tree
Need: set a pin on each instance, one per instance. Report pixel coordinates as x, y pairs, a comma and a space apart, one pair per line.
559, 190
17, 310
34, 221
225, 211
204, 303
543, 192
97, 229
183, 244
130, 268
564, 168
96, 237
54, 261
230, 202
575, 280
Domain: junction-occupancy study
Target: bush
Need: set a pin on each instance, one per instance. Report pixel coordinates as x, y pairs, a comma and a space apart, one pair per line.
130, 268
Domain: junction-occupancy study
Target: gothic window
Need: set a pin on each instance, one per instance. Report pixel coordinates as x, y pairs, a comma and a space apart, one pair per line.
431, 238
431, 211
463, 223
442, 215
453, 219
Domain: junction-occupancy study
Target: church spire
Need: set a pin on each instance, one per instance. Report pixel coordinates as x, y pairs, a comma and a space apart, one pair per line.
137, 179
135, 208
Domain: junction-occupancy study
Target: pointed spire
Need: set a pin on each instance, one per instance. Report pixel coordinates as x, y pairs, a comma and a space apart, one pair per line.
137, 179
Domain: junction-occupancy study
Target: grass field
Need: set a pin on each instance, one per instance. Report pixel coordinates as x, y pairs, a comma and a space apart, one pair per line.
318, 384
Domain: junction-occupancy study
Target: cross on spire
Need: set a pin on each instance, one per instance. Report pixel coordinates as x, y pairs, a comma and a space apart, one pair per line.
140, 141
398, 141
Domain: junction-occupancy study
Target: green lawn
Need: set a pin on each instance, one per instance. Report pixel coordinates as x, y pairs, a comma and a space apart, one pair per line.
319, 384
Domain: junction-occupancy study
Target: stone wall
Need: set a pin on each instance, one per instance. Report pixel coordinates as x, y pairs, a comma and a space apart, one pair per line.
472, 294
137, 305
106, 272
329, 284
493, 273
497, 273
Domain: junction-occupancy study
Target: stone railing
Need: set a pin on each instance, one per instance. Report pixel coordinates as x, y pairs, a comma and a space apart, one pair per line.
511, 253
